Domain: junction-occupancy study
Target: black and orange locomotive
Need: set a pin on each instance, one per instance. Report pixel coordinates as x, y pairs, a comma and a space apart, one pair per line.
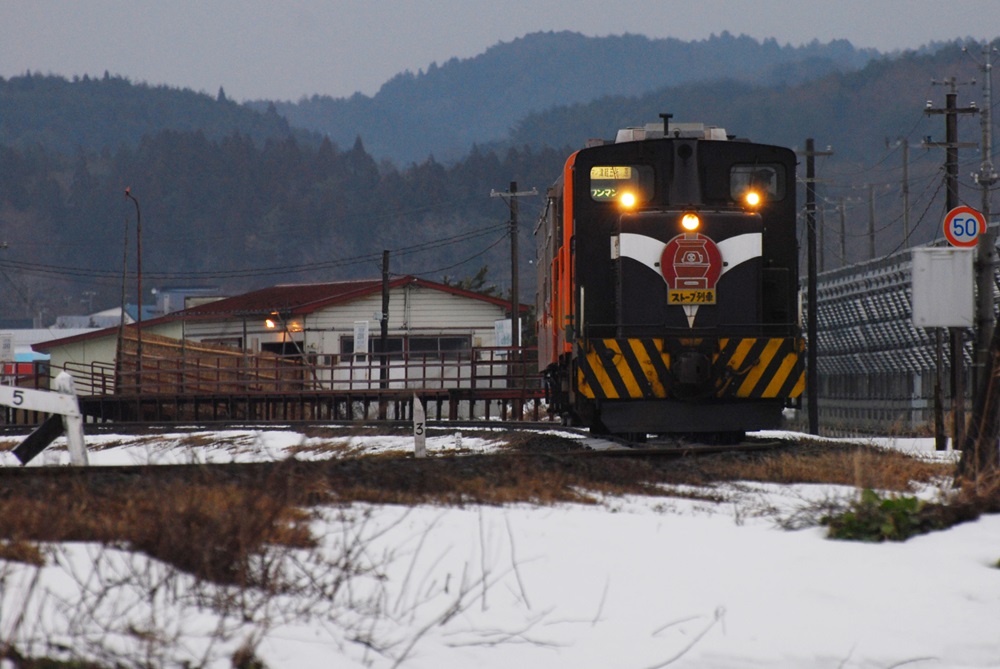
668, 284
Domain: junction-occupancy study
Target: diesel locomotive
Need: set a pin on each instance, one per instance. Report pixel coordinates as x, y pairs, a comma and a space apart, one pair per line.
668, 297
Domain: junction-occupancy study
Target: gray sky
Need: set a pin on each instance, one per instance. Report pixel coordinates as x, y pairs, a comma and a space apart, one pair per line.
285, 49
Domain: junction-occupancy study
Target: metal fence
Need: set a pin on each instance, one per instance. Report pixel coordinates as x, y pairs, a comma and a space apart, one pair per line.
876, 371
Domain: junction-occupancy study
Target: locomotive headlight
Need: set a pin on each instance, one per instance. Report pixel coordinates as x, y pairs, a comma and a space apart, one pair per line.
690, 222
627, 200
752, 198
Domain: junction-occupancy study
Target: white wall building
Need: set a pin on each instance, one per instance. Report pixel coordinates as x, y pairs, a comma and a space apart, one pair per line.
334, 327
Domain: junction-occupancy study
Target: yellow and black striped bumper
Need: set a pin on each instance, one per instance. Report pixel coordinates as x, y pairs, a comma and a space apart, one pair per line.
750, 367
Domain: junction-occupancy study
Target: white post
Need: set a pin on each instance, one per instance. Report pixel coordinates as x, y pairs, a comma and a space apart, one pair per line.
72, 422
62, 404
419, 428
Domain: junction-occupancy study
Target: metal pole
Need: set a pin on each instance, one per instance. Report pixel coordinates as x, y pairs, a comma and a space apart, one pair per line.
383, 368
871, 221
951, 146
822, 239
811, 358
843, 232
812, 373
986, 253
138, 276
982, 434
957, 340
906, 193
515, 302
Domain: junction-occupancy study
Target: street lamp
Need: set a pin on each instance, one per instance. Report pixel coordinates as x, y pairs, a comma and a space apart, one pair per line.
138, 275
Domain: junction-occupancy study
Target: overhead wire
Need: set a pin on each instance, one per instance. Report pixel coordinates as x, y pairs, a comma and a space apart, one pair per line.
61, 270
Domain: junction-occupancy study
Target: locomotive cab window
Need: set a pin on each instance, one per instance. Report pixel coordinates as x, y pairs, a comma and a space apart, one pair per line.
608, 183
767, 181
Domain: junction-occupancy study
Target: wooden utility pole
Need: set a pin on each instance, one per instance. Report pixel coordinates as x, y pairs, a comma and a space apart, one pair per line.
822, 239
906, 193
843, 231
515, 288
951, 146
812, 380
138, 278
981, 454
986, 252
515, 302
871, 221
383, 366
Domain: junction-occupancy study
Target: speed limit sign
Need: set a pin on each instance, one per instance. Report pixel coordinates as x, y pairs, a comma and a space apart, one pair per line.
962, 227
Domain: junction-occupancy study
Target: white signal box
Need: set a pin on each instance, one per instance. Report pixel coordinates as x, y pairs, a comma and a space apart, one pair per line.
942, 287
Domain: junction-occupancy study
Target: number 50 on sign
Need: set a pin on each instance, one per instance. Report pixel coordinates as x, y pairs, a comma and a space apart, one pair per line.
962, 227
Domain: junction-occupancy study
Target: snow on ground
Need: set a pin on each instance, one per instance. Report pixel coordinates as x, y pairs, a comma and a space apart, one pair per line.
630, 582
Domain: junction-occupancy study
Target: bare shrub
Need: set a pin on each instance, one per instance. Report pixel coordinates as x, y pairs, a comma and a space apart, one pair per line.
858, 466
17, 550
211, 529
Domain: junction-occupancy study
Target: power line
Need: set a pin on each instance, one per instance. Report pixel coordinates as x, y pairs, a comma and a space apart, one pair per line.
60, 270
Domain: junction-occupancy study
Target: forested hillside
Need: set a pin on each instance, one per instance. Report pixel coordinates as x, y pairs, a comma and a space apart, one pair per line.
239, 198
109, 112
854, 111
443, 111
233, 214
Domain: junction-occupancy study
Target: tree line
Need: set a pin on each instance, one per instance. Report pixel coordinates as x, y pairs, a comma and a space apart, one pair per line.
238, 214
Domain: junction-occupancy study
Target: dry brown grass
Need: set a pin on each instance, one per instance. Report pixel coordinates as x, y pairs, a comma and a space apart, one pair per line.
858, 466
216, 520
210, 528
18, 550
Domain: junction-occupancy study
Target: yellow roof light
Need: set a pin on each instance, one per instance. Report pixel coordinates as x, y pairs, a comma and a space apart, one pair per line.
690, 222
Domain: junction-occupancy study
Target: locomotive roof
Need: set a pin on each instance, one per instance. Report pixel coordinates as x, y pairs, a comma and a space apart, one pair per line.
679, 130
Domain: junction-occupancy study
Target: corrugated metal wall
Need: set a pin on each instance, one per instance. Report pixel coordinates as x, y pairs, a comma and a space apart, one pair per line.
877, 371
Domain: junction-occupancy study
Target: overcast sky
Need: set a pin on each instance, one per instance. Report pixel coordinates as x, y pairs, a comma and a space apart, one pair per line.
285, 49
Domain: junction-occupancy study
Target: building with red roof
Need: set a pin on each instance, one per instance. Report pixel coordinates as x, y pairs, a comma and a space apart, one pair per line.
327, 324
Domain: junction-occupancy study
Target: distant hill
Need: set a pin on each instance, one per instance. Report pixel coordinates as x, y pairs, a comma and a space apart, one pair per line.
111, 112
855, 111
448, 108
239, 197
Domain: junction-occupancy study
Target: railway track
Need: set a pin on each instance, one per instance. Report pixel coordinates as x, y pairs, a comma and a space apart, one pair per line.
535, 445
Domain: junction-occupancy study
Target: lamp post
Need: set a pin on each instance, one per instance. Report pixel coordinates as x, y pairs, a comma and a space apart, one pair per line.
138, 275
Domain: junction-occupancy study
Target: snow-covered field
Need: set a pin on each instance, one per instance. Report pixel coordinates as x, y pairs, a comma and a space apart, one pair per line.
635, 582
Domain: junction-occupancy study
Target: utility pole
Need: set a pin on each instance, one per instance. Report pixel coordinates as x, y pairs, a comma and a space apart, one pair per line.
822, 239
980, 454
812, 380
906, 193
138, 275
515, 288
871, 221
951, 146
986, 253
384, 323
843, 231
515, 302
383, 367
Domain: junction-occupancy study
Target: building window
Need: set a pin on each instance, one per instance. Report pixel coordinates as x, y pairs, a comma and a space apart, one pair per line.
281, 348
414, 347
232, 342
394, 346
439, 347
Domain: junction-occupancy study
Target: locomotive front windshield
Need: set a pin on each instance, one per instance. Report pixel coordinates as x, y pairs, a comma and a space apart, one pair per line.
766, 180
609, 182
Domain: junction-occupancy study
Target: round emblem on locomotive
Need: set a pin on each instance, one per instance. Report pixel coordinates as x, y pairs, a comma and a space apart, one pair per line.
691, 265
